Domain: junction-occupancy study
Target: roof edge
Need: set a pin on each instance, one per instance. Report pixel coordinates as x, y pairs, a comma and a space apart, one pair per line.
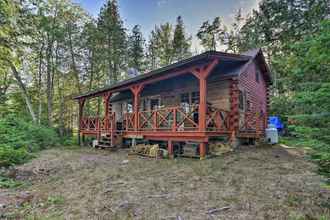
144, 76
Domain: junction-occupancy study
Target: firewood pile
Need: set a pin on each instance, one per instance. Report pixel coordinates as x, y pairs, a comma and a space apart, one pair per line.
219, 148
149, 150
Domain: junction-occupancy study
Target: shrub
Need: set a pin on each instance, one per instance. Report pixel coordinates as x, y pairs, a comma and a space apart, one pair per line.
19, 138
10, 156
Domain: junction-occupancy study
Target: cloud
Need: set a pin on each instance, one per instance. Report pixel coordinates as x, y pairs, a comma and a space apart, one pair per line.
160, 3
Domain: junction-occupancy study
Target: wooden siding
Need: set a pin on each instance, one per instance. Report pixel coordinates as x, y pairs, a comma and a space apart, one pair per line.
255, 115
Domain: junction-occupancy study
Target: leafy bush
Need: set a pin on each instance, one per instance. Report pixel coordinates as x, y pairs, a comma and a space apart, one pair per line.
10, 156
19, 138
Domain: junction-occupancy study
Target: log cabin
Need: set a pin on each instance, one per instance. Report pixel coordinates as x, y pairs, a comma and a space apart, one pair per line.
211, 96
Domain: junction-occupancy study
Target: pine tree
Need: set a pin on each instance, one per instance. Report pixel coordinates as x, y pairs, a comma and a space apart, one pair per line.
136, 43
234, 41
114, 39
212, 35
181, 44
164, 37
160, 46
152, 52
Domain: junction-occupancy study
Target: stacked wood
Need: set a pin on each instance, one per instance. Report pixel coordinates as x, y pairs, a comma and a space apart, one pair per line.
219, 148
149, 150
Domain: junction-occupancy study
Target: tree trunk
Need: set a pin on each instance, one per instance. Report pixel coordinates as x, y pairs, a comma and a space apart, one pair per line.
49, 83
91, 78
74, 67
24, 91
40, 83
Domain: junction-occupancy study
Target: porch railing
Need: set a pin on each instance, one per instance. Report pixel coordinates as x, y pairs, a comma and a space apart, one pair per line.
217, 120
177, 119
95, 124
164, 119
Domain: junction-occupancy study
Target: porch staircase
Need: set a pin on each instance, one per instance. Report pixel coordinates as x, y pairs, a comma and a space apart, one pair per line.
105, 141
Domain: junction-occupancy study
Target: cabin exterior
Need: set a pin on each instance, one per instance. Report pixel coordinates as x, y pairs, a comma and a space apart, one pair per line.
199, 99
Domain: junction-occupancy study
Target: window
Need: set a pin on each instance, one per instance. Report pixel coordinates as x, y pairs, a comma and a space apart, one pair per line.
248, 105
144, 104
185, 98
257, 76
195, 98
241, 100
154, 104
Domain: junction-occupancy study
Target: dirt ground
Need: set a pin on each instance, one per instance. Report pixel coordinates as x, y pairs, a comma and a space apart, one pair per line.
250, 183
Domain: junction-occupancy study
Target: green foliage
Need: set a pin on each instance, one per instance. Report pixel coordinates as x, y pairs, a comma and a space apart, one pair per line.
19, 138
10, 156
136, 49
167, 45
305, 104
212, 35
55, 200
9, 183
181, 43
18, 133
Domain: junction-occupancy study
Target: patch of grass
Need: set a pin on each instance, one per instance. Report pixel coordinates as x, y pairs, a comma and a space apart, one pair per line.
293, 200
319, 151
55, 200
45, 217
6, 182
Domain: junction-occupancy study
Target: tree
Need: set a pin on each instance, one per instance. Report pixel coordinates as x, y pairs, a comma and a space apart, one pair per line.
212, 35
181, 43
136, 43
164, 37
234, 40
152, 51
12, 44
114, 39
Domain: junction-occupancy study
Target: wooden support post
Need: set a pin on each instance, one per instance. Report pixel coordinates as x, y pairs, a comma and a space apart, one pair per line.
202, 150
202, 74
174, 121
80, 115
202, 104
106, 120
106, 102
154, 121
170, 149
136, 90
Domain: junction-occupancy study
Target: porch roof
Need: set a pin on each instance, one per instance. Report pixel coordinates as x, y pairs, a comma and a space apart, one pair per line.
237, 61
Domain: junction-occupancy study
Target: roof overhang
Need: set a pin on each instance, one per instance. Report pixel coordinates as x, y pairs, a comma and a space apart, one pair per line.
184, 65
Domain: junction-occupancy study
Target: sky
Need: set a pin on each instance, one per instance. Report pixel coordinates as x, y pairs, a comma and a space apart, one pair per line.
149, 13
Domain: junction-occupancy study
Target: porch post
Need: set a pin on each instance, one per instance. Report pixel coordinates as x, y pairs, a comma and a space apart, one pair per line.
136, 90
202, 74
202, 150
170, 149
81, 103
202, 104
107, 124
106, 101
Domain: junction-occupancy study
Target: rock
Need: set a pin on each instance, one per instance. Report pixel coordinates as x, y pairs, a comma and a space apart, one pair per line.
214, 210
124, 162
